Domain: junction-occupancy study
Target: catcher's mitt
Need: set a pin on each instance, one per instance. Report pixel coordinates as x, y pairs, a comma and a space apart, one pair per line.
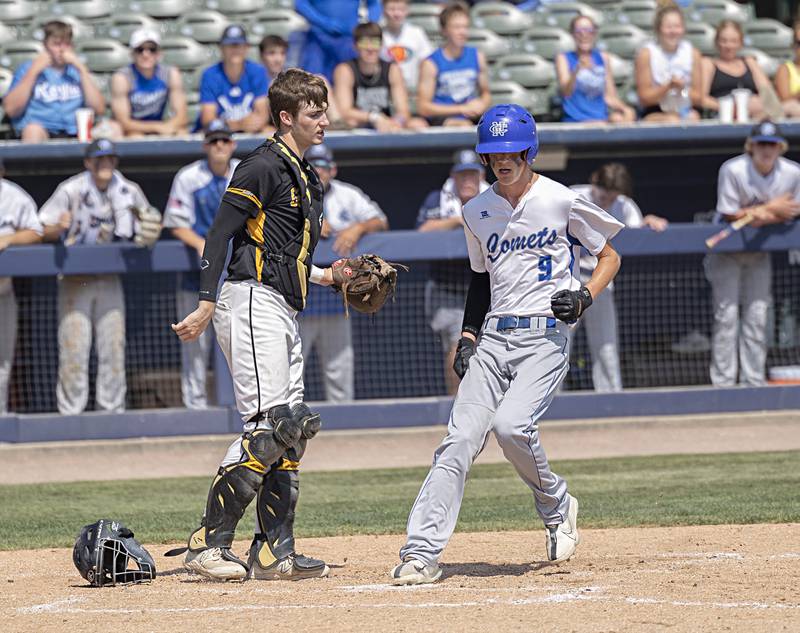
366, 281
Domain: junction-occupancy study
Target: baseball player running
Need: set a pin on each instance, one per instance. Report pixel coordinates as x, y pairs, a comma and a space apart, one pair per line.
18, 225
95, 207
273, 211
193, 202
522, 235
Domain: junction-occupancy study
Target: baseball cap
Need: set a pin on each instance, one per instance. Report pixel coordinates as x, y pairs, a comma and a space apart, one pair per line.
766, 132
140, 36
320, 156
233, 34
217, 129
101, 147
466, 159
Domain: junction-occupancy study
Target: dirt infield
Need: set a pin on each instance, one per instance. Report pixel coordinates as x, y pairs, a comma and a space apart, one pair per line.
712, 578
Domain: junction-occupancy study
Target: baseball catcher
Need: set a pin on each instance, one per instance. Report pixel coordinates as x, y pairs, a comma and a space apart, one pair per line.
366, 282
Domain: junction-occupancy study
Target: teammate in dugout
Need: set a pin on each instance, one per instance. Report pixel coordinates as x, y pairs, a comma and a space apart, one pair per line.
272, 210
522, 235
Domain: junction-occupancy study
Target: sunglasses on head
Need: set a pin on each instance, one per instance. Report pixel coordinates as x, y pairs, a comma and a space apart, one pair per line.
149, 48
585, 30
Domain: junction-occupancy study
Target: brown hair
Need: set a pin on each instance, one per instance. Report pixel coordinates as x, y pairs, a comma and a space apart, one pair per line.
294, 88
367, 29
454, 8
663, 11
613, 177
272, 41
729, 24
580, 16
58, 29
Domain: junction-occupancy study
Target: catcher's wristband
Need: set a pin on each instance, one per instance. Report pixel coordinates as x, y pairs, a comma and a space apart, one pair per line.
317, 274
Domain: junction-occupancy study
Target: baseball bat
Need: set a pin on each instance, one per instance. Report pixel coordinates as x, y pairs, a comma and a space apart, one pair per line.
715, 239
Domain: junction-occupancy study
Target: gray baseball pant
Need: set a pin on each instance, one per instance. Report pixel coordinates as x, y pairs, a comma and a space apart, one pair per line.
600, 321
194, 356
8, 338
330, 335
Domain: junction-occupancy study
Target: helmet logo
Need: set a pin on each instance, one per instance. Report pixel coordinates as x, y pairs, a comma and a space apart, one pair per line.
498, 128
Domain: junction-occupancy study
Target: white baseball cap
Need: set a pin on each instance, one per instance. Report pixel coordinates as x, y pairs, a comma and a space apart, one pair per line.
140, 36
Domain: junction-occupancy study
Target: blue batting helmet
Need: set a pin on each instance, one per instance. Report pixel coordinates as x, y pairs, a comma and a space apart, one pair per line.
505, 128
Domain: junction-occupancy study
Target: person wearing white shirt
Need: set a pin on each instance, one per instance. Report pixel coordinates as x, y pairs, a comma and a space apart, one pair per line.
403, 42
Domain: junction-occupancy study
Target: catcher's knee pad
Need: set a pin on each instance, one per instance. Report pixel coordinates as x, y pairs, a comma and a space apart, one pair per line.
277, 500
308, 420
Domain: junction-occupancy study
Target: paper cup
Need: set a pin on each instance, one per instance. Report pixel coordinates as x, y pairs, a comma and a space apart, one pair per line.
741, 98
725, 109
84, 118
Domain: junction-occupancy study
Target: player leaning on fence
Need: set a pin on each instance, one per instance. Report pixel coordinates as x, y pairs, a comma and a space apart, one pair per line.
272, 210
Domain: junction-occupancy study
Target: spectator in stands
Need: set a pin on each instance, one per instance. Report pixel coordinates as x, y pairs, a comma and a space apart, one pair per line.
728, 71
585, 80
404, 43
141, 92
235, 89
272, 49
46, 91
93, 207
329, 41
610, 189
193, 201
19, 225
445, 291
787, 79
453, 87
669, 71
349, 214
369, 91
764, 186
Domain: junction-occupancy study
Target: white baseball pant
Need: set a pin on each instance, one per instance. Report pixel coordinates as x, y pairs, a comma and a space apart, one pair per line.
8, 338
330, 335
194, 356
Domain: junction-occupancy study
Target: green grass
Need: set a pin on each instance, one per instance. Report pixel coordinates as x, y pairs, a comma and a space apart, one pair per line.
664, 490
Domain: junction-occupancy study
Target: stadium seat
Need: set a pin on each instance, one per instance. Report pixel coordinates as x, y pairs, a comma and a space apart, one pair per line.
621, 70
622, 39
714, 11
489, 43
204, 26
235, 7
7, 34
120, 26
561, 13
186, 53
275, 22
546, 41
425, 16
529, 70
771, 36
191, 80
702, 36
103, 81
193, 107
80, 30
500, 17
161, 8
17, 11
640, 13
14, 53
6, 75
103, 55
768, 63
537, 102
87, 10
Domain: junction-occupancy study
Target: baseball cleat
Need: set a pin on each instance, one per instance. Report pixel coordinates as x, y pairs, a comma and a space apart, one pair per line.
562, 539
293, 567
216, 563
415, 572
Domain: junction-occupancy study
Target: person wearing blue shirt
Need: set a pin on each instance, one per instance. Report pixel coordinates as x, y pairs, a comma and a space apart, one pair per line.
235, 89
453, 88
46, 91
330, 39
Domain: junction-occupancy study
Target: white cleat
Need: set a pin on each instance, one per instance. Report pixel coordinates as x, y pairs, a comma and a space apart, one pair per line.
562, 539
215, 563
415, 572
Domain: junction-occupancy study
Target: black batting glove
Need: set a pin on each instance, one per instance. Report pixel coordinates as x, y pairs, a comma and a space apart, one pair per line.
464, 351
568, 305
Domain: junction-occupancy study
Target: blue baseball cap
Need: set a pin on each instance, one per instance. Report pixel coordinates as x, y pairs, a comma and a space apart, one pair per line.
320, 156
233, 34
101, 147
766, 132
464, 160
217, 129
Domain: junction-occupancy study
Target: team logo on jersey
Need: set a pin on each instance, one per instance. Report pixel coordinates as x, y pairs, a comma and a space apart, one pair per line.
86, 199
498, 128
295, 201
495, 247
484, 215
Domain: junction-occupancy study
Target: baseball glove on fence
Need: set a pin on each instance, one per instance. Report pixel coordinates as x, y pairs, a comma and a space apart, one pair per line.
366, 282
147, 228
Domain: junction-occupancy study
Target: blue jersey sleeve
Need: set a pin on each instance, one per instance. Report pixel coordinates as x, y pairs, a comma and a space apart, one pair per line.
259, 80
20, 73
431, 203
209, 86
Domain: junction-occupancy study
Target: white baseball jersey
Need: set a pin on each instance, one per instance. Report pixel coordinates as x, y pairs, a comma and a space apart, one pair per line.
17, 213
97, 216
195, 196
529, 252
741, 185
345, 204
408, 48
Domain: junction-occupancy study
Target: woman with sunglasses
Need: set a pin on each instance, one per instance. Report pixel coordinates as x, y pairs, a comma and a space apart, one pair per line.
585, 80
141, 92
787, 79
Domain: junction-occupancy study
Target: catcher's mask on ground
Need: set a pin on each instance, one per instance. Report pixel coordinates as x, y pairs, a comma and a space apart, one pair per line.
106, 553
